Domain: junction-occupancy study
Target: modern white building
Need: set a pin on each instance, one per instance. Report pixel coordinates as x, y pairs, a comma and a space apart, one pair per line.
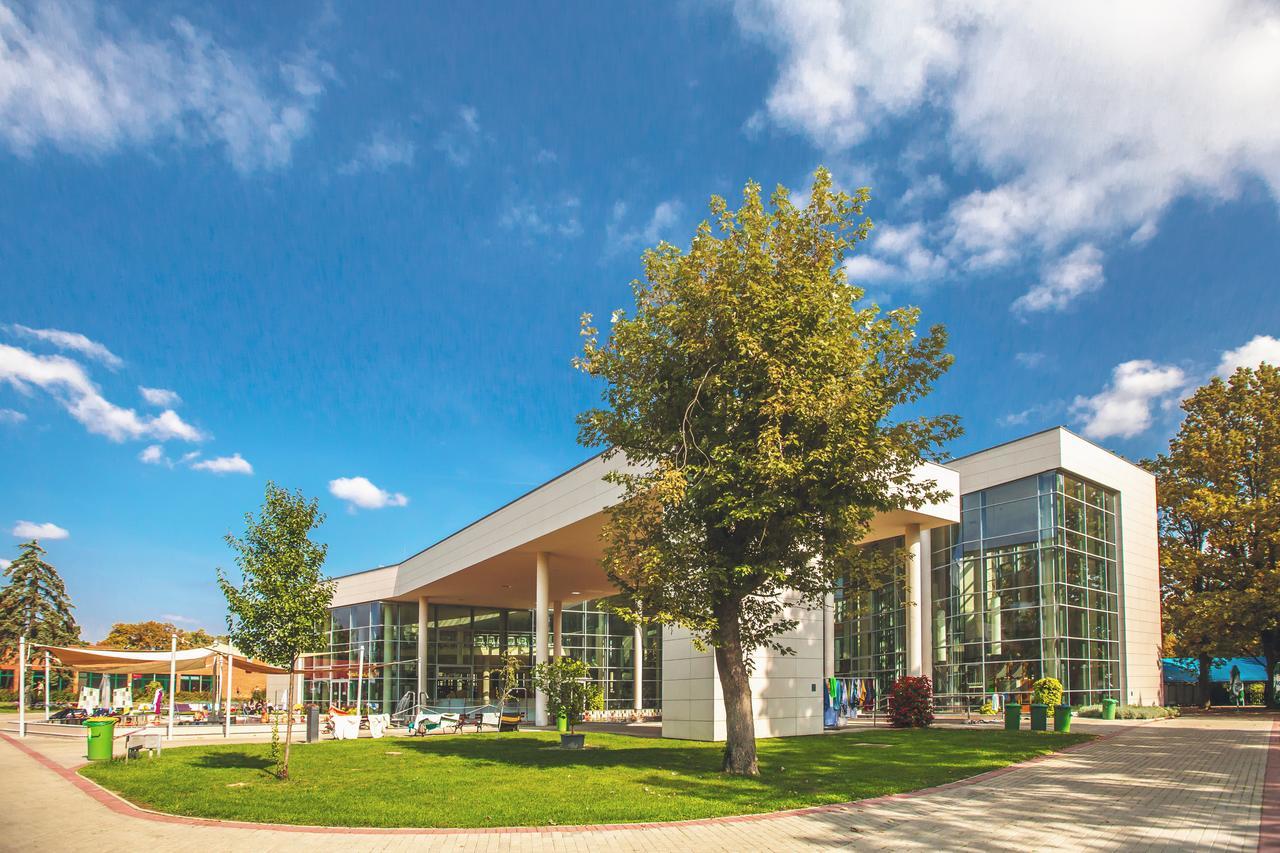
1043, 562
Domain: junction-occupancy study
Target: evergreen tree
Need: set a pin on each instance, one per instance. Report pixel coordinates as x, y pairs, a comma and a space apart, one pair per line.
34, 604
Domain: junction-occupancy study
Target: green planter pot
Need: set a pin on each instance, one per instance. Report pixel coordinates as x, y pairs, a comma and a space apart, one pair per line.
1062, 718
1039, 718
562, 723
1012, 717
1109, 709
101, 736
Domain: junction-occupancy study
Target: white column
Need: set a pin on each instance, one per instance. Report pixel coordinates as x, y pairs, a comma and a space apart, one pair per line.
829, 635
22, 687
46, 685
359, 688
557, 620
422, 647
173, 680
914, 611
542, 593
226, 708
638, 664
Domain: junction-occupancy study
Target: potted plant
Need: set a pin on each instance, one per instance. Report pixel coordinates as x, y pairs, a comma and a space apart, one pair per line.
570, 692
1045, 694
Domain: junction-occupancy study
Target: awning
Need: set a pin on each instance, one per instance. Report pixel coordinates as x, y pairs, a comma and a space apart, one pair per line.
124, 661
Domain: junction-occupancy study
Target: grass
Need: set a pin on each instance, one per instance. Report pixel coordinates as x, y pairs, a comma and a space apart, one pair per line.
524, 779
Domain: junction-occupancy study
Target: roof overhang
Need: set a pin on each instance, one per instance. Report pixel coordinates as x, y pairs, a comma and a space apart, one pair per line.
492, 561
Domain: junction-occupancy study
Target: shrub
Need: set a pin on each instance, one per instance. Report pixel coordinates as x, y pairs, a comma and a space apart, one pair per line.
1132, 712
1047, 691
569, 688
987, 710
911, 702
1254, 692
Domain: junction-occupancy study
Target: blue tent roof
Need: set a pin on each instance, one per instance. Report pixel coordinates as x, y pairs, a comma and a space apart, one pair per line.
1187, 670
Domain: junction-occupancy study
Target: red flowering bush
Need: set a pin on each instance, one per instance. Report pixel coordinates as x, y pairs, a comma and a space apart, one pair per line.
911, 702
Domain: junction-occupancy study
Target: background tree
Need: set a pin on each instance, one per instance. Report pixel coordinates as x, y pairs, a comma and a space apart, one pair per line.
1219, 494
278, 612
34, 604
154, 635
754, 394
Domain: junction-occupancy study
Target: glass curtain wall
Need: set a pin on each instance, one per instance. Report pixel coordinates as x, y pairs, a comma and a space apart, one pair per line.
466, 647
871, 627
1026, 586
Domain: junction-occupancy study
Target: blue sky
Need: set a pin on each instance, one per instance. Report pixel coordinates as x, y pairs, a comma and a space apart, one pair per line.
353, 248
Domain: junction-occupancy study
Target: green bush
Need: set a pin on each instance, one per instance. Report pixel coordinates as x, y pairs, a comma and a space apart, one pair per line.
1047, 691
1131, 712
1255, 692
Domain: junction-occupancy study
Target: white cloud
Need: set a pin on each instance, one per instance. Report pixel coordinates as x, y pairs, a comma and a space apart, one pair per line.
1082, 122
160, 396
379, 153
460, 141
82, 79
4, 564
1029, 360
66, 381
11, 416
896, 254
1123, 408
359, 492
73, 341
1064, 281
1038, 412
543, 220
32, 530
620, 238
175, 619
1261, 348
154, 455
233, 464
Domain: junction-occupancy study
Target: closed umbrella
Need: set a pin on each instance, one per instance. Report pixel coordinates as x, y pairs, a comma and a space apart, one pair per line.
104, 693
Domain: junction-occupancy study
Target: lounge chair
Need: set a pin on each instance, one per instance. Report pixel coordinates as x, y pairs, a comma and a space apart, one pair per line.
425, 723
510, 722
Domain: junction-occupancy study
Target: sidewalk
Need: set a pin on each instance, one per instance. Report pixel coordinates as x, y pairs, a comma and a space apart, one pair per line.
1193, 782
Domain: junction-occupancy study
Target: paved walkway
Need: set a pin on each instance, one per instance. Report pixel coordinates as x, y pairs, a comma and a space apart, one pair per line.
1197, 782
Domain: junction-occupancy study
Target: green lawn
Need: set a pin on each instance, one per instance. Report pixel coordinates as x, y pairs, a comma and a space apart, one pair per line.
524, 779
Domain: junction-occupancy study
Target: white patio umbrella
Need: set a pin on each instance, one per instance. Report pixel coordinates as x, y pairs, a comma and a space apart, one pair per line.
104, 692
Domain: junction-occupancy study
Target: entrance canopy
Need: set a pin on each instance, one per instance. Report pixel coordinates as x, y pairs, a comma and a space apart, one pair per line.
125, 661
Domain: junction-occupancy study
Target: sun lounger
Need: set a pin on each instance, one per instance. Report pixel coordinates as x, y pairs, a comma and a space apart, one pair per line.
510, 722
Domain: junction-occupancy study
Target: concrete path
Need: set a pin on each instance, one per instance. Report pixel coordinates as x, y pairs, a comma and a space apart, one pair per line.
1197, 782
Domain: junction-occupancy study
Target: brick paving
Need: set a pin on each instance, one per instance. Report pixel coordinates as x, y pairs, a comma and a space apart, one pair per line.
1196, 782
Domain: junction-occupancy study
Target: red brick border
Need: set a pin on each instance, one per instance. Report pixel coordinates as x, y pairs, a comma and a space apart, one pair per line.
1269, 821
122, 806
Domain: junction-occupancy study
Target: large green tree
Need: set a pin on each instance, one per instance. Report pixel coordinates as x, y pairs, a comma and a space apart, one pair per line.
154, 635
34, 603
755, 394
1219, 500
278, 611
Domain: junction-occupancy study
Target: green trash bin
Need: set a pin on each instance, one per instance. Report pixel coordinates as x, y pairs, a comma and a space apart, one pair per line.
1062, 718
1039, 717
562, 722
1012, 716
101, 732
1109, 709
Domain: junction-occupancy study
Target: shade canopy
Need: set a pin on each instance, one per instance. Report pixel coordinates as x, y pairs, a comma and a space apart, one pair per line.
124, 661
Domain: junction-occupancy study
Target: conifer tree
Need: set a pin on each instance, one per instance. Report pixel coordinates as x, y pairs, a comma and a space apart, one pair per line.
34, 603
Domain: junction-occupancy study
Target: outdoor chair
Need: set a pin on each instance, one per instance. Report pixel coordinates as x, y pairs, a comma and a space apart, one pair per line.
426, 723
488, 718
510, 722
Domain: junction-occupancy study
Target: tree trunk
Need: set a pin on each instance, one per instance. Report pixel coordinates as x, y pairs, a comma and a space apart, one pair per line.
1205, 683
1271, 652
740, 729
288, 727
